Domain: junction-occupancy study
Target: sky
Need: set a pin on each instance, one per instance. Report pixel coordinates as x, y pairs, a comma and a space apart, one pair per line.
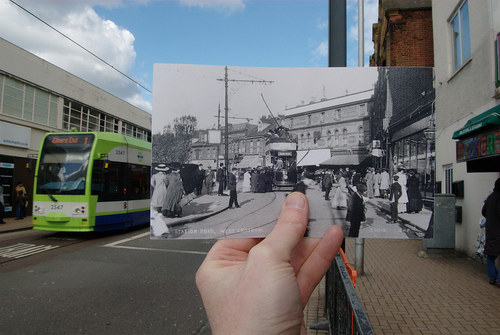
131, 36
253, 92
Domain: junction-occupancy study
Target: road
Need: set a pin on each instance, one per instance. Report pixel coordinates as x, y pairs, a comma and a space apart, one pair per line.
125, 283
119, 283
259, 212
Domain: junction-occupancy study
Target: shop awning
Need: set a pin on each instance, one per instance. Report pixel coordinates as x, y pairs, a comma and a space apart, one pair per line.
484, 121
249, 162
345, 160
312, 157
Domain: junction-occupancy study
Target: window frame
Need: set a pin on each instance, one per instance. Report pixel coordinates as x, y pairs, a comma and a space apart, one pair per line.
460, 55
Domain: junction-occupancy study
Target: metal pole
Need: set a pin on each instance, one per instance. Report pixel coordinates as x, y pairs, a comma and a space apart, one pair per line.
360, 242
226, 130
337, 54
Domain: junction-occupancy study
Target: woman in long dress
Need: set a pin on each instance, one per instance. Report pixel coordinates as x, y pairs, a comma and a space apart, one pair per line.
369, 177
175, 191
415, 202
246, 182
403, 200
158, 182
340, 198
376, 184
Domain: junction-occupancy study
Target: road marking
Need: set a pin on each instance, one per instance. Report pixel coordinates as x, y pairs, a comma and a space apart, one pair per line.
21, 250
116, 245
156, 249
127, 239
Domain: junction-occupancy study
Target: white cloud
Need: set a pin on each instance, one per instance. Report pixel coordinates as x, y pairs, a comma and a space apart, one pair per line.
78, 21
322, 24
322, 49
226, 6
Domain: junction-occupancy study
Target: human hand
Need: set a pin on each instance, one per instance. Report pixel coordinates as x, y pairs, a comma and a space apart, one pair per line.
261, 286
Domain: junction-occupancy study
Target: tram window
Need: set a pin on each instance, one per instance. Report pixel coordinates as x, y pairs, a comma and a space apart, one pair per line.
139, 176
109, 183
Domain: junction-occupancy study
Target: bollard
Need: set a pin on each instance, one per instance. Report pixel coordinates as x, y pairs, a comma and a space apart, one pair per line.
359, 255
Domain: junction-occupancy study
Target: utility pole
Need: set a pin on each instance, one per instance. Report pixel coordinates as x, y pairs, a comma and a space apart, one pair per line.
226, 110
359, 251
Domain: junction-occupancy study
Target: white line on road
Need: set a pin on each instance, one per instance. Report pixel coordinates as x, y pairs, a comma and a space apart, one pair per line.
127, 240
156, 249
21, 250
116, 245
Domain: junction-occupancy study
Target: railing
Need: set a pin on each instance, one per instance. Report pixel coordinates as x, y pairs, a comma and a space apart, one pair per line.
346, 314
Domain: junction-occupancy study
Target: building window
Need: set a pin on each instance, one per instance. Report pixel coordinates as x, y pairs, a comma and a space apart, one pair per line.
448, 178
361, 135
309, 119
344, 137
460, 35
329, 138
337, 137
28, 102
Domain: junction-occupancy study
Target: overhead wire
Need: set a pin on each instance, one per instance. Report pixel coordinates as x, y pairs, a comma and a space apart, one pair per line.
81, 46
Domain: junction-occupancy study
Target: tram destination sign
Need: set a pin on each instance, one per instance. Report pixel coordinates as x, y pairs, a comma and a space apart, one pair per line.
479, 146
64, 139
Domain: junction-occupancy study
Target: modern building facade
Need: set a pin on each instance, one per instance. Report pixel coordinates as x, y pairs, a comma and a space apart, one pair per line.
466, 41
37, 97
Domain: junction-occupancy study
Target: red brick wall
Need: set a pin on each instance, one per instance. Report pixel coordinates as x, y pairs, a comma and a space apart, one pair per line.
411, 42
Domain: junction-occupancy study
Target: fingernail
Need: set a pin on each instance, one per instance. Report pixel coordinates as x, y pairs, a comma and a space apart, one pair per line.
295, 200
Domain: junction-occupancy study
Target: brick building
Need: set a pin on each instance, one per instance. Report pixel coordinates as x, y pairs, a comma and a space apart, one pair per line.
403, 113
403, 34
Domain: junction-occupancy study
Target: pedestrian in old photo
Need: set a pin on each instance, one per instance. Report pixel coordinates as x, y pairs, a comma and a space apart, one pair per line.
175, 191
159, 184
340, 198
403, 200
369, 177
254, 176
209, 180
415, 202
327, 184
385, 183
233, 196
199, 178
220, 177
491, 211
246, 181
376, 184
394, 199
356, 210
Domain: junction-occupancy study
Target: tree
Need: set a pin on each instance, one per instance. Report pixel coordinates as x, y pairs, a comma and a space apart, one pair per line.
176, 146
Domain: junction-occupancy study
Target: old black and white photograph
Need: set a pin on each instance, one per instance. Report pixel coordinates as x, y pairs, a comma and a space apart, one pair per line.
230, 143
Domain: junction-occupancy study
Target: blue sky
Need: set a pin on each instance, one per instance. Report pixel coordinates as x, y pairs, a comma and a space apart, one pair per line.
134, 35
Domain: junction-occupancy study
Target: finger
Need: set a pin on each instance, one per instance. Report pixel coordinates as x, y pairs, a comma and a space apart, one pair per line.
318, 262
291, 226
231, 248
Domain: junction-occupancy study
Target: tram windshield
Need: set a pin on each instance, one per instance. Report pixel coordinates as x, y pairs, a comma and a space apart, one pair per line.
63, 164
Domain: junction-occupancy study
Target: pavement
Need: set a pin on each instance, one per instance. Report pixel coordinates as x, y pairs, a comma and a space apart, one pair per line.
403, 289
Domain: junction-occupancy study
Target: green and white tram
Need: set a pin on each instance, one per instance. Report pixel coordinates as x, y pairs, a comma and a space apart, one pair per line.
93, 181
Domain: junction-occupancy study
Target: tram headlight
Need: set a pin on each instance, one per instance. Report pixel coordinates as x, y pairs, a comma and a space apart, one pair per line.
38, 209
80, 210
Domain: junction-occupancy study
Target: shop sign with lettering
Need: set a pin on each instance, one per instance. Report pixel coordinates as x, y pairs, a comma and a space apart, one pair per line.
479, 146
